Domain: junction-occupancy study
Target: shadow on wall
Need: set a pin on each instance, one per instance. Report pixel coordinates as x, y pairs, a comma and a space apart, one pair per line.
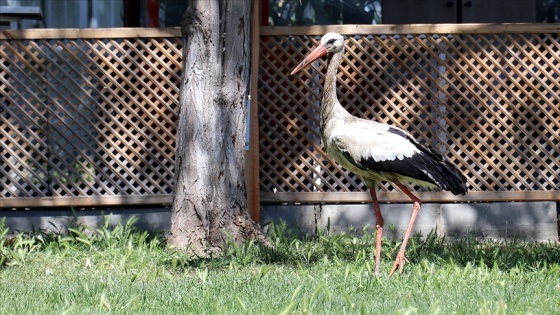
60, 219
532, 221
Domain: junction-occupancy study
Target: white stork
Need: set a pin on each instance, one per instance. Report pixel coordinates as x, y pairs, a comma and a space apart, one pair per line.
376, 151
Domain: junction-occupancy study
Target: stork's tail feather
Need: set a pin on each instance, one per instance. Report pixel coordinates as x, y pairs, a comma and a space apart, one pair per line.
448, 177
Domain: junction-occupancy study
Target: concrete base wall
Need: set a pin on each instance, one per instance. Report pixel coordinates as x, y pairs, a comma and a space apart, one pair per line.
525, 220
59, 220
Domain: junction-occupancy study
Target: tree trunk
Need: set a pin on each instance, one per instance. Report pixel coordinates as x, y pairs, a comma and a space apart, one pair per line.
210, 203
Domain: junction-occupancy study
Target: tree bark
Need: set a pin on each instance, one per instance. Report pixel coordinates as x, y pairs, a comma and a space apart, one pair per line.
210, 203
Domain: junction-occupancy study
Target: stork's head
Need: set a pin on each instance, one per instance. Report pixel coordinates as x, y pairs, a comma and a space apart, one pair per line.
330, 43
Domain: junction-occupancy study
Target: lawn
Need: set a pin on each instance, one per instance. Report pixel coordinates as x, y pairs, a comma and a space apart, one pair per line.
125, 271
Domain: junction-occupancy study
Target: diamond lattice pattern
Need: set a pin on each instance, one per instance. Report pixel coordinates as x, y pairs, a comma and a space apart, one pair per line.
88, 117
490, 103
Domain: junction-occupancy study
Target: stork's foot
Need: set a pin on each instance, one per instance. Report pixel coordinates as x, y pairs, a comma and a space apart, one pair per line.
399, 263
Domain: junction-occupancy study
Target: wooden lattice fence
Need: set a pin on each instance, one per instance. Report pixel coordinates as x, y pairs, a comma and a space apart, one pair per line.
486, 96
88, 113
88, 117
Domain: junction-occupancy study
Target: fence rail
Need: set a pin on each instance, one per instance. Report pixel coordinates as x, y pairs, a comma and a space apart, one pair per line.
88, 117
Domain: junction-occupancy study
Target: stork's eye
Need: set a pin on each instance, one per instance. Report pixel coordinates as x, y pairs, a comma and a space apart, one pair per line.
331, 41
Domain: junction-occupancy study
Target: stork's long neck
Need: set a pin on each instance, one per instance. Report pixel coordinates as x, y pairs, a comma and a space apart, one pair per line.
330, 107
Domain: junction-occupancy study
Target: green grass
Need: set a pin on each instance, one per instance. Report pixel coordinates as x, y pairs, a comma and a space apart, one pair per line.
125, 271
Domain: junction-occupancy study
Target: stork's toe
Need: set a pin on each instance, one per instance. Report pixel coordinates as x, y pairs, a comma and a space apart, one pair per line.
399, 263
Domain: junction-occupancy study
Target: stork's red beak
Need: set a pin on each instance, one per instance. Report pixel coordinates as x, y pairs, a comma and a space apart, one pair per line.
317, 53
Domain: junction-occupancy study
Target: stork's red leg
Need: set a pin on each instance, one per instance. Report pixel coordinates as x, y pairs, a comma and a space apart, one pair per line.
378, 227
400, 260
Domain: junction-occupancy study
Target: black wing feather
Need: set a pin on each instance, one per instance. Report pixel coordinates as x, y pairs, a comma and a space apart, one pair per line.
427, 165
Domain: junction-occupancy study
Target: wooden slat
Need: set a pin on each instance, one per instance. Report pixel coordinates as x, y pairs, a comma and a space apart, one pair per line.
412, 29
91, 33
253, 184
86, 201
387, 29
313, 197
391, 197
266, 198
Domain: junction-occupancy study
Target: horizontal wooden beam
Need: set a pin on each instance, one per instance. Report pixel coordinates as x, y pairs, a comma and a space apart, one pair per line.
358, 29
88, 201
392, 29
286, 197
441, 196
91, 33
